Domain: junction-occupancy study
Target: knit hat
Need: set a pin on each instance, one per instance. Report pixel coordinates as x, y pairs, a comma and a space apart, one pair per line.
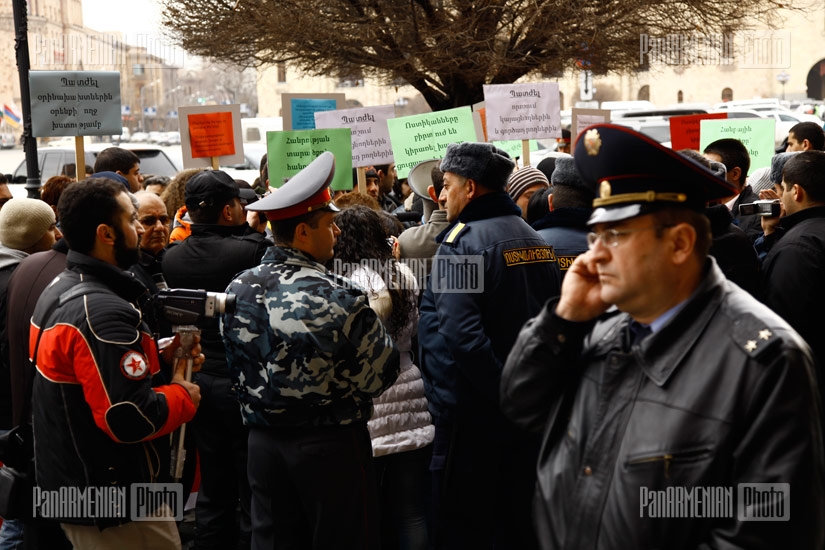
483, 163
23, 222
760, 179
567, 175
778, 164
522, 180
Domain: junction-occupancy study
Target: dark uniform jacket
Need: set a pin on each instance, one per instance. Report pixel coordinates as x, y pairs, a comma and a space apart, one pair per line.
793, 279
722, 394
470, 317
207, 260
100, 405
565, 229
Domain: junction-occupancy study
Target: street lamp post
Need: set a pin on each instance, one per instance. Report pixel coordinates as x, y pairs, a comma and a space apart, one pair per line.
783, 79
142, 111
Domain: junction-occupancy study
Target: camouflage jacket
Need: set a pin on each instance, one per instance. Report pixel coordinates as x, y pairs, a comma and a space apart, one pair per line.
303, 346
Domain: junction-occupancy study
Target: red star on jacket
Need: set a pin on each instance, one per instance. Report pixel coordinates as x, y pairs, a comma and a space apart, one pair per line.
134, 365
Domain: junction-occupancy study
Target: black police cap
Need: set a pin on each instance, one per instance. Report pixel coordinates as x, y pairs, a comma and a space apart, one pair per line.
635, 175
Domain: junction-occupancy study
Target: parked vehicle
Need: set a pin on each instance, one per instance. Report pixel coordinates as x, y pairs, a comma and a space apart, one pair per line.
254, 129
153, 160
7, 141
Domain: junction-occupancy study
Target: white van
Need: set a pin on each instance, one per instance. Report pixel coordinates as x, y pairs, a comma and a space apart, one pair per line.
255, 129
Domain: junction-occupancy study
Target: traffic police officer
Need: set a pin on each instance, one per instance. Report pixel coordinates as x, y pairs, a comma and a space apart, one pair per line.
307, 355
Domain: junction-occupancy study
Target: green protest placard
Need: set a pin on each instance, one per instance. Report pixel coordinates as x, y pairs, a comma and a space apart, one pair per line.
289, 152
424, 137
757, 134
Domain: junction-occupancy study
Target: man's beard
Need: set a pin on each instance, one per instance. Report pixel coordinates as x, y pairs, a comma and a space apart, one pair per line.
124, 256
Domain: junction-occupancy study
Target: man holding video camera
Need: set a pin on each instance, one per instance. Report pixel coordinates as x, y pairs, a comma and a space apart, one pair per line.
100, 404
794, 269
221, 245
308, 355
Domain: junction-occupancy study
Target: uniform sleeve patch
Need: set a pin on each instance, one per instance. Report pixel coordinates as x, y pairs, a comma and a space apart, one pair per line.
565, 262
134, 365
530, 255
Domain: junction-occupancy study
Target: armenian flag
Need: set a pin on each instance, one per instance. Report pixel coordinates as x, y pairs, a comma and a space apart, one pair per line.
10, 116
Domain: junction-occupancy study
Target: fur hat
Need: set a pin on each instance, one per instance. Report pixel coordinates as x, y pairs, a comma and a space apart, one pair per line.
522, 180
483, 163
778, 164
23, 222
566, 174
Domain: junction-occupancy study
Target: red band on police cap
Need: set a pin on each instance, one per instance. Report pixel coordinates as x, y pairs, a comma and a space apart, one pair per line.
317, 201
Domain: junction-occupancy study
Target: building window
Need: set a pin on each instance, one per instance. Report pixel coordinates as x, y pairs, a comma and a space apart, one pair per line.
644, 93
680, 97
281, 72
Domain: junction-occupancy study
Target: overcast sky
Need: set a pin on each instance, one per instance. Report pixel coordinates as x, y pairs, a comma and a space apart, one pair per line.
139, 16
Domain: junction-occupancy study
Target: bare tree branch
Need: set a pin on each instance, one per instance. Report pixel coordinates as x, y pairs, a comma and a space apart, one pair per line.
447, 49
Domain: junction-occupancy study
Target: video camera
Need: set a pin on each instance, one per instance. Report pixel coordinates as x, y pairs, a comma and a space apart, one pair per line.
182, 306
770, 208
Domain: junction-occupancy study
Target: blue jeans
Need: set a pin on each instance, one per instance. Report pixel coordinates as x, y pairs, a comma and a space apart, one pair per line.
11, 534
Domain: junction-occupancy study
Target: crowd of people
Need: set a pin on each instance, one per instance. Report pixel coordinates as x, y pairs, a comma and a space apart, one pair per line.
476, 356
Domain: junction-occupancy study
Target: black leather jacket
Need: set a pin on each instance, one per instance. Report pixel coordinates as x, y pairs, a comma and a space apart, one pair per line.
722, 394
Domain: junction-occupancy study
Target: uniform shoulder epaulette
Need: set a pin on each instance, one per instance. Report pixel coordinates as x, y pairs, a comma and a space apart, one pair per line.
754, 336
454, 232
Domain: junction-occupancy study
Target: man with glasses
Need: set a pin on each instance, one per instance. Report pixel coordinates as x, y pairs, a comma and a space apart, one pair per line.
663, 390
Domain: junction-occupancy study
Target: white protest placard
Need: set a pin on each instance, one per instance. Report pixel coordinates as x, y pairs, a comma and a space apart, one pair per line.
523, 111
582, 118
210, 132
370, 134
75, 103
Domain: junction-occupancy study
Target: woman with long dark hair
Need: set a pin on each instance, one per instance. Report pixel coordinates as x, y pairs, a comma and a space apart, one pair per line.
401, 427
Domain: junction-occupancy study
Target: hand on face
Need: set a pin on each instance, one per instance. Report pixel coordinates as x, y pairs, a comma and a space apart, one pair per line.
581, 291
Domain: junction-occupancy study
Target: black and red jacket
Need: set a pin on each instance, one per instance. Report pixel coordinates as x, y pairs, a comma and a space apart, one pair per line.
99, 402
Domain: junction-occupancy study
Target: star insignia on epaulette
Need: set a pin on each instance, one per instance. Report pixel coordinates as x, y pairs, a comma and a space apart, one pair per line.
765, 334
751, 345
